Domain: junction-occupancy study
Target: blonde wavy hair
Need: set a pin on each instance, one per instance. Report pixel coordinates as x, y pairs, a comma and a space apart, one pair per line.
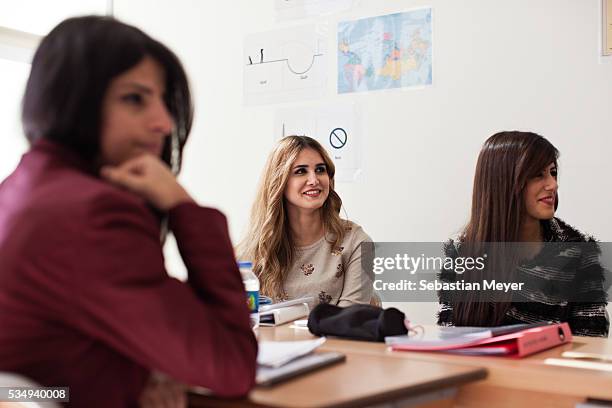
268, 242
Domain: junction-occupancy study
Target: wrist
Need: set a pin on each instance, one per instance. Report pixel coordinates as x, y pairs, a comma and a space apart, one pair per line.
179, 196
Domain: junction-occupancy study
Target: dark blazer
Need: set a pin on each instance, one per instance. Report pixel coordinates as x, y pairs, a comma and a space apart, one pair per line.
85, 300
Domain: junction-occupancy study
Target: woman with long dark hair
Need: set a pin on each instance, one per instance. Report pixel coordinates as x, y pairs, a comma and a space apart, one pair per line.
85, 300
513, 221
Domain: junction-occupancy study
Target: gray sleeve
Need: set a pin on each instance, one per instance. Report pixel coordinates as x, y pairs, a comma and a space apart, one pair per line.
357, 280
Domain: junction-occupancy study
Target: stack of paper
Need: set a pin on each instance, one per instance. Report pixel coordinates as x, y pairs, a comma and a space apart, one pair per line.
277, 353
279, 361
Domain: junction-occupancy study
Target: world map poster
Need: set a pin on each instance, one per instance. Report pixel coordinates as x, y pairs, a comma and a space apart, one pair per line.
385, 52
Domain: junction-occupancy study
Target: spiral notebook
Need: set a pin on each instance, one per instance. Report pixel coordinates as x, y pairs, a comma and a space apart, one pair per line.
267, 376
278, 361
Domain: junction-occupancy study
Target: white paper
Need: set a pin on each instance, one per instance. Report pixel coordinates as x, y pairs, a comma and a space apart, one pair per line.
285, 65
591, 365
294, 9
277, 353
301, 323
286, 303
336, 126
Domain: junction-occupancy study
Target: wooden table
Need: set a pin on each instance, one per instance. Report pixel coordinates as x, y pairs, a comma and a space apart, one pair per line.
510, 382
366, 378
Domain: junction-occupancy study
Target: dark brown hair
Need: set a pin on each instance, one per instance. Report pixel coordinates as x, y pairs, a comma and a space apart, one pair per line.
505, 164
71, 71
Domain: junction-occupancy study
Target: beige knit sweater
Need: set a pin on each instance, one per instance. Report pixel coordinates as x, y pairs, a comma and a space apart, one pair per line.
331, 275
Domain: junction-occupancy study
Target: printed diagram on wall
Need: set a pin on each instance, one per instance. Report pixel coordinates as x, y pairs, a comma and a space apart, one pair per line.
285, 65
294, 9
385, 52
335, 126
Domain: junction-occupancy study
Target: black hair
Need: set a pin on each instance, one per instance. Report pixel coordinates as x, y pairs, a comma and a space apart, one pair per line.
71, 72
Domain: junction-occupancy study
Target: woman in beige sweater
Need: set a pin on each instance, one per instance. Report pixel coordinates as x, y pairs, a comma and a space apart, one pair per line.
296, 239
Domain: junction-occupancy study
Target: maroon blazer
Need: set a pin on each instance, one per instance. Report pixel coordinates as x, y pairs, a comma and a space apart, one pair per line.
85, 301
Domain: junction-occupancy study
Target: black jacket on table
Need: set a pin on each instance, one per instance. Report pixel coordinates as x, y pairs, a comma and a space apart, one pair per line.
581, 273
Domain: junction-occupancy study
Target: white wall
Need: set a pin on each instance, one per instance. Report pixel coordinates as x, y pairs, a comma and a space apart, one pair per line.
498, 65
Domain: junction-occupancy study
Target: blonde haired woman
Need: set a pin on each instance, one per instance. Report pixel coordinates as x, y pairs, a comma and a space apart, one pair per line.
296, 240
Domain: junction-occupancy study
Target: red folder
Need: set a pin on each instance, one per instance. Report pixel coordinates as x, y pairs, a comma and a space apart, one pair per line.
518, 344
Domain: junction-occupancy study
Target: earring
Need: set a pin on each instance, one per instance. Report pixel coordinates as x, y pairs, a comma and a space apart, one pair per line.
174, 152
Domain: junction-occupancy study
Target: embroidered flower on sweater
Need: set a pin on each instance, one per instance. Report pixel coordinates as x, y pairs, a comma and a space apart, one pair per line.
337, 251
324, 297
339, 270
307, 269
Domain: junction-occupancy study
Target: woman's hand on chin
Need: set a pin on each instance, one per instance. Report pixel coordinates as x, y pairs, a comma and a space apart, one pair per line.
150, 178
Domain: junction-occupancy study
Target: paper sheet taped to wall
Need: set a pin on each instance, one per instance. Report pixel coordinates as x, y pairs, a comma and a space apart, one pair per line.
336, 126
294, 9
285, 65
385, 52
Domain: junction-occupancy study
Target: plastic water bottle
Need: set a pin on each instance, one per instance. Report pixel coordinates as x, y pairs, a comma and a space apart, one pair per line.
251, 286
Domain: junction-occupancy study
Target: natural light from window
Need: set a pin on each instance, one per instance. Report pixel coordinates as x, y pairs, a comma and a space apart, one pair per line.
12, 141
32, 17
40, 16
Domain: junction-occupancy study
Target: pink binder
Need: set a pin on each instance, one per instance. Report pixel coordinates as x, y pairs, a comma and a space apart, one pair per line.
518, 344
